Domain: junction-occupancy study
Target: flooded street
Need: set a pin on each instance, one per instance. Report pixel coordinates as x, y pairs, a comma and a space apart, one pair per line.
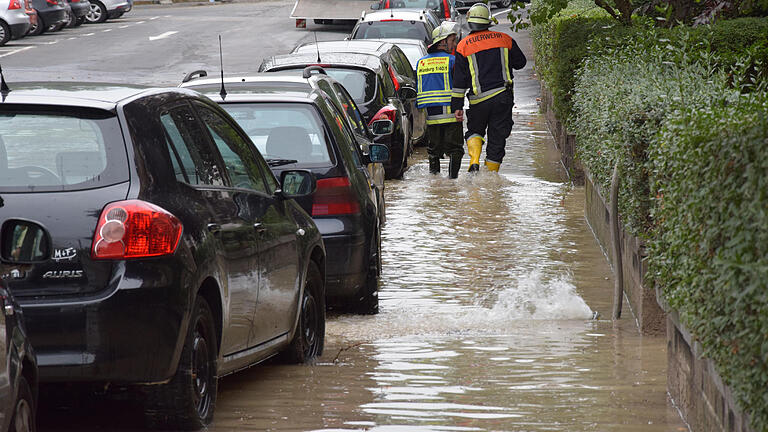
494, 298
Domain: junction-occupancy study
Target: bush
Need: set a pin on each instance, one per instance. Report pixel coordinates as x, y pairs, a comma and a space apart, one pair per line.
709, 246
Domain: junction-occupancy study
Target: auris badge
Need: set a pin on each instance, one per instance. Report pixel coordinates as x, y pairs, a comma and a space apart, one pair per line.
63, 274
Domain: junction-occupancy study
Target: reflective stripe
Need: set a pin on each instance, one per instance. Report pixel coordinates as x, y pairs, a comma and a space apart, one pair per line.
446, 117
458, 92
477, 98
475, 136
475, 74
446, 120
505, 64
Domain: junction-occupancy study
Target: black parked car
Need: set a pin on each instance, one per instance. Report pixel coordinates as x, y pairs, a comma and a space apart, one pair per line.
177, 255
370, 81
295, 123
51, 16
394, 57
78, 11
21, 243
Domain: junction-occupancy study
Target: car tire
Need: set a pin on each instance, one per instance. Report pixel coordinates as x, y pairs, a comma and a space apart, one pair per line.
5, 33
23, 419
187, 402
71, 20
309, 338
368, 301
80, 21
97, 13
38, 28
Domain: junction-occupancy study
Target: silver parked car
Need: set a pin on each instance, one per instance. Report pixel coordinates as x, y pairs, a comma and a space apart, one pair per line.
103, 9
14, 21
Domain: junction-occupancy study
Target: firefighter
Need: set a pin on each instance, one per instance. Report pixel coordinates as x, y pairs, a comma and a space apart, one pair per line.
484, 63
435, 75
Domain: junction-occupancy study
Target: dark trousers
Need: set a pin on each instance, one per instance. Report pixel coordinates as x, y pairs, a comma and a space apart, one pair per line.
445, 139
494, 116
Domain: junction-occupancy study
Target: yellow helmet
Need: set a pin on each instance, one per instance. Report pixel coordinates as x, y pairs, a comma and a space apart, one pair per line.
479, 17
442, 32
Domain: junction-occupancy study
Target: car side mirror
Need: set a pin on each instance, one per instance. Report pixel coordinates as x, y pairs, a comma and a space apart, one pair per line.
24, 242
382, 127
297, 184
407, 92
378, 153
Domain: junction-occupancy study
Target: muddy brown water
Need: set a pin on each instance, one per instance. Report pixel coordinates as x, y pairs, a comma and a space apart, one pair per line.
490, 289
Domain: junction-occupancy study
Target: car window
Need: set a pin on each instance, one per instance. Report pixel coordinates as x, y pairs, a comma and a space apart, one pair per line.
413, 53
287, 131
419, 30
236, 152
344, 138
44, 151
359, 83
387, 85
352, 111
191, 160
401, 64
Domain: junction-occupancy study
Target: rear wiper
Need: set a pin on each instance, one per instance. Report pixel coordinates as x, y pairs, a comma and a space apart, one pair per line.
275, 162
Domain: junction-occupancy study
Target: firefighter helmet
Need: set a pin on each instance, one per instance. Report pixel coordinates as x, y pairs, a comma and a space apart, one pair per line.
479, 17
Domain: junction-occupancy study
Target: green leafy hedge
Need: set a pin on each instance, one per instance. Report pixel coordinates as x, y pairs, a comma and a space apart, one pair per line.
709, 246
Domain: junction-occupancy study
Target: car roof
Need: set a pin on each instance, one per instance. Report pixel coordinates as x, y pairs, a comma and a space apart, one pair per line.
362, 60
104, 96
263, 87
408, 14
398, 41
352, 45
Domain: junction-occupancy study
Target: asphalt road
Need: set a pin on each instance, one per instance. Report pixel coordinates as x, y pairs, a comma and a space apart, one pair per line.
158, 45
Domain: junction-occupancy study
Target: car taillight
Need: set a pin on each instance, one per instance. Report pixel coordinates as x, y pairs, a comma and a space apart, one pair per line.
15, 4
334, 196
52, 2
447, 10
394, 77
135, 229
386, 113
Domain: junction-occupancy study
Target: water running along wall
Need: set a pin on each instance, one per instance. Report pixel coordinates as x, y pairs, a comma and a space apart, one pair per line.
705, 402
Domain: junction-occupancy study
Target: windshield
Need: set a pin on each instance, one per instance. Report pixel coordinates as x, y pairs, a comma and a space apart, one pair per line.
291, 132
44, 152
392, 29
361, 85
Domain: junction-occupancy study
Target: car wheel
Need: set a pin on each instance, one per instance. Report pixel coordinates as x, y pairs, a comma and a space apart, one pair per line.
71, 20
97, 13
38, 28
368, 301
187, 401
23, 419
309, 339
5, 33
80, 21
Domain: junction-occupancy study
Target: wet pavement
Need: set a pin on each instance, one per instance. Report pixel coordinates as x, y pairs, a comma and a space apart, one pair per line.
492, 294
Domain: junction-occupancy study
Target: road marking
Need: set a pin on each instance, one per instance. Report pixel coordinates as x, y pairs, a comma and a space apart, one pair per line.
16, 51
141, 22
42, 43
107, 30
154, 18
162, 36
72, 38
502, 12
89, 34
125, 26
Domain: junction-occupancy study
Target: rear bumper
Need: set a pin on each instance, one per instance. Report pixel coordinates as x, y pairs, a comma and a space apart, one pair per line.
54, 16
80, 9
20, 30
132, 333
118, 7
346, 258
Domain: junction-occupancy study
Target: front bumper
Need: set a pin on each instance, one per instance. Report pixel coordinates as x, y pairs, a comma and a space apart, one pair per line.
133, 332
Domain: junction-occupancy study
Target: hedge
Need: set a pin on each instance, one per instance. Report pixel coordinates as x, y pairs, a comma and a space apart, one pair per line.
709, 246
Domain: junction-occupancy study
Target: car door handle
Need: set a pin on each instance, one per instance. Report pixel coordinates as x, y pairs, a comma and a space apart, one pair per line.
214, 227
259, 227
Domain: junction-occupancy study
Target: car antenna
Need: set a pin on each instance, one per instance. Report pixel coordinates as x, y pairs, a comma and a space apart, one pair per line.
4, 89
317, 47
223, 91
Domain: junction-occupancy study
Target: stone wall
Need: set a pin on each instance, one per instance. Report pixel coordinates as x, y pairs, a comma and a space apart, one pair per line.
564, 141
693, 382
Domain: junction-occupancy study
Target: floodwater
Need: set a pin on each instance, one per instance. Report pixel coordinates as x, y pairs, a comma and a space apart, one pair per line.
494, 296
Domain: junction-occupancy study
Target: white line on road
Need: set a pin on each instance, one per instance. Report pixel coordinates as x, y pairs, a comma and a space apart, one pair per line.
125, 26
107, 30
89, 34
72, 38
502, 12
141, 22
154, 18
162, 36
16, 51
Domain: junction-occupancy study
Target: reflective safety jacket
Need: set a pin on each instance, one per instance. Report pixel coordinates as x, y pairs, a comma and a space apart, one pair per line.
435, 73
484, 63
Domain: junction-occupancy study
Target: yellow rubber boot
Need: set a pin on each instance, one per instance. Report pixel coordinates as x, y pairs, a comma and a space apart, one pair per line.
492, 166
474, 148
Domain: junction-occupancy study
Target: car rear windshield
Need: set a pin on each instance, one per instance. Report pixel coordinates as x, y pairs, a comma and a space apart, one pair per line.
413, 52
53, 151
392, 29
361, 85
288, 131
